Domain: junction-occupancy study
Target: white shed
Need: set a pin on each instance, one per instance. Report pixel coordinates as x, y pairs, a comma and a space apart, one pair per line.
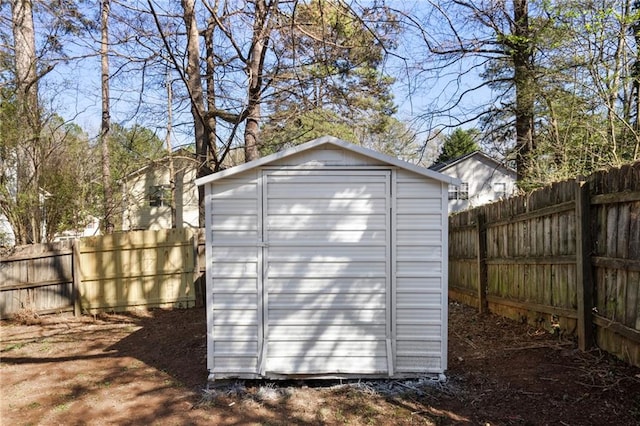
326, 260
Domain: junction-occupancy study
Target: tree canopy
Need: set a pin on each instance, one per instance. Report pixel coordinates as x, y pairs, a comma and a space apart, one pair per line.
331, 70
553, 86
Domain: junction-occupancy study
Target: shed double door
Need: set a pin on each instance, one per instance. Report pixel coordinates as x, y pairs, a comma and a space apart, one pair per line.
326, 272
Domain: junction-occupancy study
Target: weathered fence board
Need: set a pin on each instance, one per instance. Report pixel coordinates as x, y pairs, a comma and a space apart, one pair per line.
37, 278
529, 240
463, 258
555, 256
616, 209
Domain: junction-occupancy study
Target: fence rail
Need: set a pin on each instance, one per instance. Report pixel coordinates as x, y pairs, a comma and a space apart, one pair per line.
112, 272
566, 257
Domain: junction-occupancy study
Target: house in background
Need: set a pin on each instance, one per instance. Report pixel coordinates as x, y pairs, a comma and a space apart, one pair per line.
90, 228
7, 239
484, 180
146, 194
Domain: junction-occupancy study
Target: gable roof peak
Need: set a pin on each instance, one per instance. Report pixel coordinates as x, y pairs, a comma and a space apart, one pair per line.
316, 143
450, 163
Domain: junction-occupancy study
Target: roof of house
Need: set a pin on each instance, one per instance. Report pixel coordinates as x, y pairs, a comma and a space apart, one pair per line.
177, 154
330, 141
450, 163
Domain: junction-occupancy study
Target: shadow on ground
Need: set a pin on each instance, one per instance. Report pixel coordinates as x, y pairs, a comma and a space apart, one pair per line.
172, 341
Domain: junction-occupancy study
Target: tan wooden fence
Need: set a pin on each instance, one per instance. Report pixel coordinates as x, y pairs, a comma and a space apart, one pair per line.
115, 272
566, 257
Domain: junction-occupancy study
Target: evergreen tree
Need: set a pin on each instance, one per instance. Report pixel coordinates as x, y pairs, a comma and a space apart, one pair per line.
457, 144
331, 59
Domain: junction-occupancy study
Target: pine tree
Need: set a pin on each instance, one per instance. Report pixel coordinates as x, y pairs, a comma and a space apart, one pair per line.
457, 144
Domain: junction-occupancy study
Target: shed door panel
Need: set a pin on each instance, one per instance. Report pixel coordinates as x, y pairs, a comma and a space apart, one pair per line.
326, 271
234, 286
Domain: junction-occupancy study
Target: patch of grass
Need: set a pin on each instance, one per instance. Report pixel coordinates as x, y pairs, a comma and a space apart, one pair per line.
14, 347
34, 405
45, 346
172, 383
323, 414
133, 366
339, 416
368, 413
62, 407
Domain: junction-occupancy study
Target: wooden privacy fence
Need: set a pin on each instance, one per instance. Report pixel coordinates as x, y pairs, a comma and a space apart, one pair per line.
113, 272
38, 277
564, 257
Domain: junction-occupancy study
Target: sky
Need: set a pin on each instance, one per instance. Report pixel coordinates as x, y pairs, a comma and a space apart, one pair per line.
76, 95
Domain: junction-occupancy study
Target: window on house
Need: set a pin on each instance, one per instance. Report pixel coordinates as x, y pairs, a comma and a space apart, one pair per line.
500, 189
159, 195
459, 192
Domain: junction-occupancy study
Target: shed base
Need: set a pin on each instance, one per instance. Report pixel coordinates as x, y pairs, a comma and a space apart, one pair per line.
220, 380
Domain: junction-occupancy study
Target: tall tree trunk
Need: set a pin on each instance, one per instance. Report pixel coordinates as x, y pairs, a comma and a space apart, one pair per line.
254, 70
524, 78
25, 61
211, 91
194, 86
172, 171
26, 81
251, 133
106, 118
635, 72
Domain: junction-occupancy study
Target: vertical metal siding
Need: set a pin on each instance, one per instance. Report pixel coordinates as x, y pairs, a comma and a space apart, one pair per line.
419, 246
444, 300
233, 284
326, 290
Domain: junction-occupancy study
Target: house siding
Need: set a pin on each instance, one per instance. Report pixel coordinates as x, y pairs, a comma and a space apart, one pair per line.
7, 239
137, 213
481, 174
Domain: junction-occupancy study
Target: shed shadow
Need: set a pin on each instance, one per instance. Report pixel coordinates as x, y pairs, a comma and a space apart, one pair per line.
172, 341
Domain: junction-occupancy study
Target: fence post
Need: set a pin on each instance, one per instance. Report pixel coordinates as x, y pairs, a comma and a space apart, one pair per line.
197, 279
481, 250
583, 266
77, 280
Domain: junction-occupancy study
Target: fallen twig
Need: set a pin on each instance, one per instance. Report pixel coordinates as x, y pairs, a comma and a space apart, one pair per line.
540, 346
467, 341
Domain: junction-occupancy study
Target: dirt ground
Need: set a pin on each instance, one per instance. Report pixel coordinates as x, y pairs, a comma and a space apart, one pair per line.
149, 368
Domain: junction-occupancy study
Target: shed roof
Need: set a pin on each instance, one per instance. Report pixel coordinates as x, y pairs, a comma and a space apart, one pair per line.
328, 140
